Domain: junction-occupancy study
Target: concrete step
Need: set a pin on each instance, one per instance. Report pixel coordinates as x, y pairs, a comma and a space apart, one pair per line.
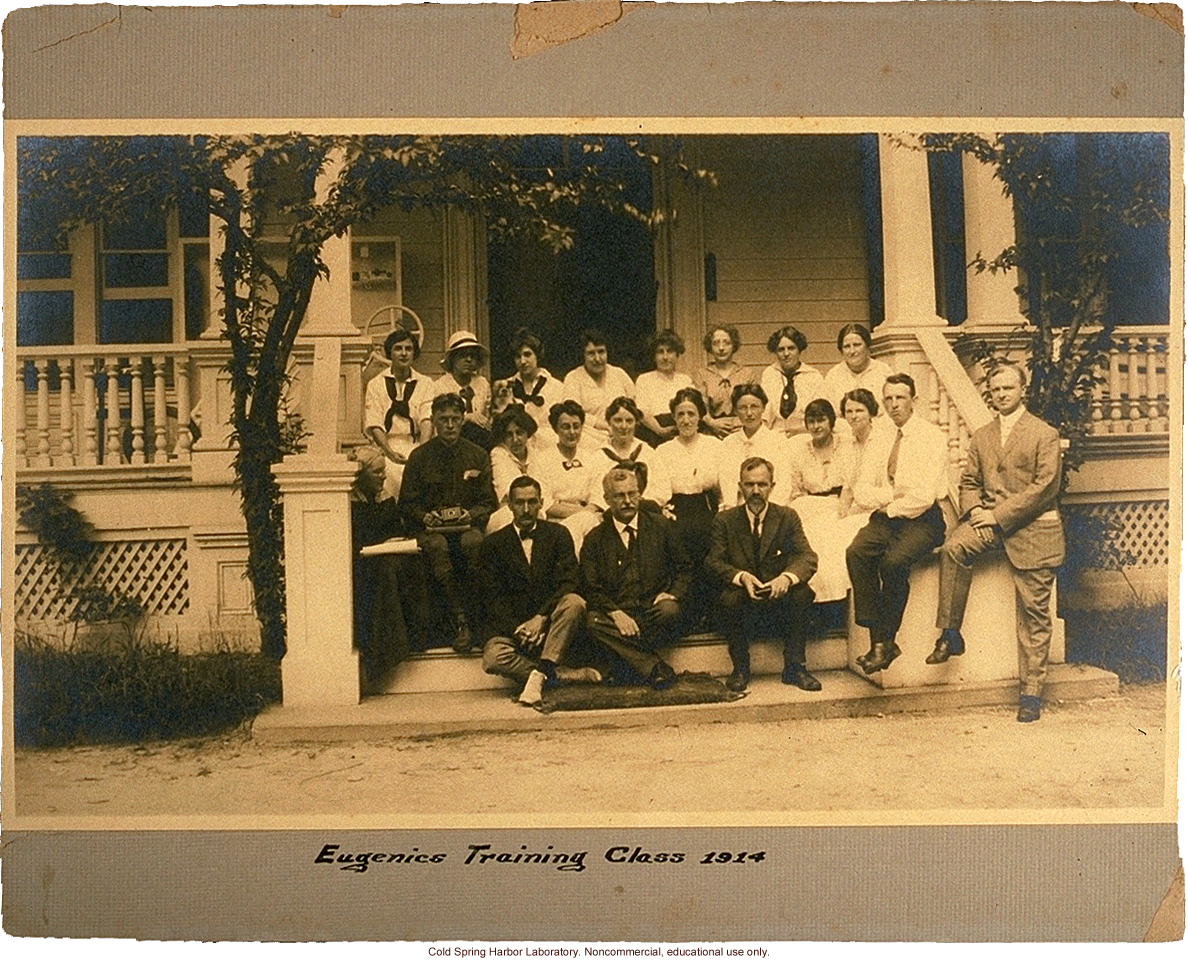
844, 694
440, 670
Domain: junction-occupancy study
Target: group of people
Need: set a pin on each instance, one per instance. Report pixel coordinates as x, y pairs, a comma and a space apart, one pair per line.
579, 525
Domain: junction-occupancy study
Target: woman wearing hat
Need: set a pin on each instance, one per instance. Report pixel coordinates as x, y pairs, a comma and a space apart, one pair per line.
396, 407
464, 356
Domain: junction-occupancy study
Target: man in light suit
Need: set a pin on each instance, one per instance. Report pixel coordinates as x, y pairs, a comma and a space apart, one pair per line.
635, 573
533, 610
759, 551
1009, 492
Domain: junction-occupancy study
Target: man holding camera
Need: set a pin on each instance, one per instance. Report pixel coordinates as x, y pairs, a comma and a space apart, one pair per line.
446, 497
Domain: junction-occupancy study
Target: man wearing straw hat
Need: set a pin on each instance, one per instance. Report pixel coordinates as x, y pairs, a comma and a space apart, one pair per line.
464, 356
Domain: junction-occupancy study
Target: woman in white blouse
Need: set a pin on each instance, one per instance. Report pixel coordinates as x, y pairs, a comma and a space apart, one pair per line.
821, 461
790, 384
570, 473
532, 387
623, 417
655, 389
510, 458
858, 369
691, 461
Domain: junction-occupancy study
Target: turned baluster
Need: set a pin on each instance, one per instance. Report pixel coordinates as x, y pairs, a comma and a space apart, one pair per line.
21, 418
66, 411
136, 400
160, 413
112, 454
90, 452
181, 386
43, 415
1132, 384
1115, 384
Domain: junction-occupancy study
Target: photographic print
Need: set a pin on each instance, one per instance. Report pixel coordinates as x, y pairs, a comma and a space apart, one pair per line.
579, 505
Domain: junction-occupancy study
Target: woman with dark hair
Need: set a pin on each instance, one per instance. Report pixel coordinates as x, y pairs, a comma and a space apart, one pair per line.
624, 417
655, 389
571, 474
857, 369
820, 461
596, 382
718, 378
789, 383
396, 407
871, 438
511, 432
753, 439
533, 388
691, 461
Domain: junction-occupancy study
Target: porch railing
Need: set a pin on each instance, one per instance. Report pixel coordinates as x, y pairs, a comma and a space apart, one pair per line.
1134, 396
97, 406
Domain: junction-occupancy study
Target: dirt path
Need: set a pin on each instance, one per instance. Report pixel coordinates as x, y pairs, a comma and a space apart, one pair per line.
1106, 753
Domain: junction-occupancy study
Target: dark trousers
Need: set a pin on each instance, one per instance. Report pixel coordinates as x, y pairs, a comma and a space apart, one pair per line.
453, 559
879, 561
743, 620
656, 626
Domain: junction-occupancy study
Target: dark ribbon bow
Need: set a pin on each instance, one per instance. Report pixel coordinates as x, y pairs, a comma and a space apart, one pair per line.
399, 407
534, 397
467, 395
528, 534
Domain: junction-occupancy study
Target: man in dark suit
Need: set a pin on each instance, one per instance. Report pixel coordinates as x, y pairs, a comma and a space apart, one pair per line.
1009, 490
759, 551
533, 611
635, 574
445, 498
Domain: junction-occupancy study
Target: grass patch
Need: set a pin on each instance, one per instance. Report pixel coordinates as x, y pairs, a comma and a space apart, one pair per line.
133, 692
1129, 641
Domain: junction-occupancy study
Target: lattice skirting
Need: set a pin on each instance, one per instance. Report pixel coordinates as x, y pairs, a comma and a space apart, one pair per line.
151, 571
1107, 536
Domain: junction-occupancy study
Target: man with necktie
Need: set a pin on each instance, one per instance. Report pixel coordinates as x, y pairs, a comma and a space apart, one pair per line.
761, 555
906, 525
530, 577
1009, 501
635, 573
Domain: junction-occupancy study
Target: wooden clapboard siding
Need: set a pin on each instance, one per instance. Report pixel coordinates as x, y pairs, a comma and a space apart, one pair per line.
786, 228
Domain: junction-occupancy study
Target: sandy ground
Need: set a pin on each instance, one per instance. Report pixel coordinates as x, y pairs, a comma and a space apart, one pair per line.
1095, 754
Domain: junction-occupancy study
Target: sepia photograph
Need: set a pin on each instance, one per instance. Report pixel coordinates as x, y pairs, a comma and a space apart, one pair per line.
487, 498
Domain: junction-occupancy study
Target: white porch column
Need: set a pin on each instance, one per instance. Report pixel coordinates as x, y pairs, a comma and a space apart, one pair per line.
464, 269
320, 667
909, 283
989, 229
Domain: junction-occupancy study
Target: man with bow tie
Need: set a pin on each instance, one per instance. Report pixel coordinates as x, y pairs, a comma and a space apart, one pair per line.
533, 610
1009, 501
759, 552
635, 573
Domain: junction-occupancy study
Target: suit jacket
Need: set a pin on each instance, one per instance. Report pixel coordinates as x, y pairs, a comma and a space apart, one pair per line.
783, 547
664, 565
515, 590
439, 475
1019, 483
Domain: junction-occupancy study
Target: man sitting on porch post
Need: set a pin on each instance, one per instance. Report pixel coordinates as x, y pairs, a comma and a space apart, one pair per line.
446, 497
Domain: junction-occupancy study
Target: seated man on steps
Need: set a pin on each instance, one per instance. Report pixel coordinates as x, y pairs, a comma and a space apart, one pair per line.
635, 574
445, 498
761, 555
1009, 491
533, 612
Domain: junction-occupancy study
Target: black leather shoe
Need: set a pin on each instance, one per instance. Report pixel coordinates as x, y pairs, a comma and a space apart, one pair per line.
738, 680
662, 676
1029, 709
951, 645
462, 640
798, 676
881, 656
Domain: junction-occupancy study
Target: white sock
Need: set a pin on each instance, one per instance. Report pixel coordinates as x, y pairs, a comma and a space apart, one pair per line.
533, 688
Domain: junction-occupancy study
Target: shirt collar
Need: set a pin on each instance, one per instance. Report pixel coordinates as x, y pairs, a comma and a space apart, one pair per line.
1007, 423
762, 514
620, 527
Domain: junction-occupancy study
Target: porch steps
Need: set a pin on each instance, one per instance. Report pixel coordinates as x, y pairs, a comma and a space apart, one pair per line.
440, 670
493, 710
